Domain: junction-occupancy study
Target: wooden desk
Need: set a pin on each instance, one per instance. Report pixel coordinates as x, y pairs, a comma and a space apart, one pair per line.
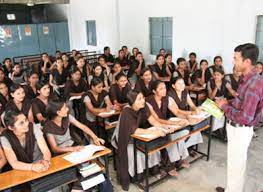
197, 90
148, 151
15, 177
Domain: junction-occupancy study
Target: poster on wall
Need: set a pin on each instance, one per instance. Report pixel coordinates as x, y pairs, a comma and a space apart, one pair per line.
28, 31
8, 32
45, 30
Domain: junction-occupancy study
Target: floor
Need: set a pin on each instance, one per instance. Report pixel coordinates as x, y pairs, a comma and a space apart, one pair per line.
204, 176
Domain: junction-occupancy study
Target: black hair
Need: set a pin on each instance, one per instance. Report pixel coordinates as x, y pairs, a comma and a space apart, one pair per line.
101, 57
175, 79
203, 60
259, 63
116, 62
219, 71
58, 51
134, 49
59, 58
11, 117
41, 84
139, 53
6, 59
15, 87
131, 96
162, 49
124, 46
17, 64
64, 54
145, 70
217, 57
119, 75
120, 51
95, 81
167, 55
159, 55
45, 53
248, 51
156, 84
179, 60
192, 54
32, 72
53, 107
74, 69
105, 48
80, 57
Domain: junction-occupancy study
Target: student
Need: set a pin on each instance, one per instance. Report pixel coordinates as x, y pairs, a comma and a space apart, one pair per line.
66, 64
192, 63
158, 104
169, 62
96, 100
99, 73
30, 88
19, 102
179, 101
122, 59
135, 50
2, 159
58, 78
129, 123
80, 63
108, 56
234, 79
201, 76
144, 83
126, 52
135, 69
116, 69
24, 145
118, 91
4, 97
18, 76
5, 79
39, 104
44, 66
73, 57
182, 71
58, 54
160, 69
106, 69
7, 66
218, 64
259, 67
76, 86
162, 52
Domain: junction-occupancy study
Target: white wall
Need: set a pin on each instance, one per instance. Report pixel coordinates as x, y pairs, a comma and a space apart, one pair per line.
104, 12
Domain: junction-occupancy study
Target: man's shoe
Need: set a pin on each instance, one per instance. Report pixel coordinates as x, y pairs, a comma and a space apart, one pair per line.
220, 189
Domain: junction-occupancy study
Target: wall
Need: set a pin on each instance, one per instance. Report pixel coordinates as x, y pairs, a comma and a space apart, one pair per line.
104, 12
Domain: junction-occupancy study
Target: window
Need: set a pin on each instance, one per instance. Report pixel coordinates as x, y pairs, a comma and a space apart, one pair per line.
161, 34
259, 37
91, 32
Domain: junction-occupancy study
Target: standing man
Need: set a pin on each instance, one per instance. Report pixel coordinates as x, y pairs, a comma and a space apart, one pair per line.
242, 113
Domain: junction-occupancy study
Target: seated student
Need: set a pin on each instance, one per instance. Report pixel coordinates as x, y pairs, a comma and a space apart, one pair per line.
160, 69
76, 86
44, 67
30, 88
105, 68
144, 83
99, 73
4, 97
5, 79
39, 104
126, 52
84, 69
132, 116
169, 62
201, 76
108, 56
24, 145
179, 100
135, 69
58, 78
2, 159
122, 59
118, 91
19, 102
192, 63
72, 57
116, 69
218, 64
135, 50
234, 79
66, 64
18, 76
58, 54
158, 104
162, 52
182, 71
7, 66
96, 101
259, 67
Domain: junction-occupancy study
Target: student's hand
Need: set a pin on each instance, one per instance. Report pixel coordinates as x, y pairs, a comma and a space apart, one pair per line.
46, 163
221, 102
98, 141
183, 123
38, 167
75, 149
160, 132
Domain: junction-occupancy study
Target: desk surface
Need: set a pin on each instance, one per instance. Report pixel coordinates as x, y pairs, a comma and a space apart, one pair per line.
15, 177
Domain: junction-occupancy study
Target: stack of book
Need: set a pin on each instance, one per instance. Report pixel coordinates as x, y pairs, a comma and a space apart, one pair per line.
87, 169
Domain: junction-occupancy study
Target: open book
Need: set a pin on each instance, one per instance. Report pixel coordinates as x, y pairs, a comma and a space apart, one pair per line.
111, 112
211, 107
74, 98
84, 154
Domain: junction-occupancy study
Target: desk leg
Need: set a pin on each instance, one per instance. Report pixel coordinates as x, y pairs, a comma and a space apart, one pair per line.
209, 143
106, 165
146, 189
196, 101
135, 158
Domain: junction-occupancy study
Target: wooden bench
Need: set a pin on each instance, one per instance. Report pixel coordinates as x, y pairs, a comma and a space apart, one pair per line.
15, 177
146, 151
